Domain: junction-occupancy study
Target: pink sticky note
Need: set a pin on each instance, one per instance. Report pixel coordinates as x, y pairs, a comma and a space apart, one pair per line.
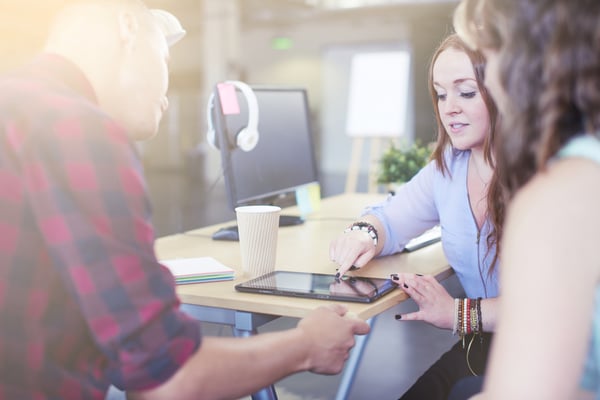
228, 98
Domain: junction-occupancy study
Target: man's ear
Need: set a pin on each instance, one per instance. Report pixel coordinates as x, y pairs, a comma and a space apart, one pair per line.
128, 26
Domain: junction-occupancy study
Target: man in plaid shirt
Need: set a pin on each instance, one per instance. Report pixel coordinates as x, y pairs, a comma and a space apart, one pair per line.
83, 301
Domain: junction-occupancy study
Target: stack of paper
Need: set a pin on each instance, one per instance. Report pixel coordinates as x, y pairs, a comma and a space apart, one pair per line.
199, 269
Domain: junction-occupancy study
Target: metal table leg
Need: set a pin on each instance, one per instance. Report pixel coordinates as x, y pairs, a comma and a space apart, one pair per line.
353, 363
244, 324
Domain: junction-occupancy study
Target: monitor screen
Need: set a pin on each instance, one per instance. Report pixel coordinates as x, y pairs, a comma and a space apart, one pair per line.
283, 159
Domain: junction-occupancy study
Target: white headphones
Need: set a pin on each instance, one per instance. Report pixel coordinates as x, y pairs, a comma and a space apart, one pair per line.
247, 138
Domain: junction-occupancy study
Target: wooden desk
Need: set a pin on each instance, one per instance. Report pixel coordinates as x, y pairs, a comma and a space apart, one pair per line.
303, 247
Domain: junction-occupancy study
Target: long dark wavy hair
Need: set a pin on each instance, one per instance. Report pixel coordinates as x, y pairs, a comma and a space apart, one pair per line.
549, 70
453, 41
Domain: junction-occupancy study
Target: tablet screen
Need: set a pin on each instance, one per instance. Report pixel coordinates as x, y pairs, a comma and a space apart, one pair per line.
319, 286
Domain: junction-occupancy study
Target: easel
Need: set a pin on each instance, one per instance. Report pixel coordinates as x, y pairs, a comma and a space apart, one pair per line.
355, 158
377, 108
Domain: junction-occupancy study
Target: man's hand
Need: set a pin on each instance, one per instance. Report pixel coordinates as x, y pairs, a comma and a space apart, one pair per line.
331, 333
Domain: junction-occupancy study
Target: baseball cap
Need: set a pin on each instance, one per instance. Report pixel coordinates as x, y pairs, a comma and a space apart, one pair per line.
169, 25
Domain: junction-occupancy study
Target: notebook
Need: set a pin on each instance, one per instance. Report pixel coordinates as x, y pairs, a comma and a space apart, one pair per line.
198, 269
319, 286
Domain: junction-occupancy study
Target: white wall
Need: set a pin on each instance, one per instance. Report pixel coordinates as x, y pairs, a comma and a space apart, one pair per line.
309, 63
196, 64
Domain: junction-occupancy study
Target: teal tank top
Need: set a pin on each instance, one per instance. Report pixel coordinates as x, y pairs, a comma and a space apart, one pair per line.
588, 146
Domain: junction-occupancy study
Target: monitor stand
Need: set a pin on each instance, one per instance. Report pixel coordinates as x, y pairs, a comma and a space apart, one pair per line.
231, 232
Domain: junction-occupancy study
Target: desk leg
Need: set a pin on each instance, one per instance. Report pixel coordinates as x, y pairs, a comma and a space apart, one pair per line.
353, 363
245, 326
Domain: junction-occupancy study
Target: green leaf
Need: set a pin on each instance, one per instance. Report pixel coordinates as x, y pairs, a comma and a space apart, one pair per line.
399, 165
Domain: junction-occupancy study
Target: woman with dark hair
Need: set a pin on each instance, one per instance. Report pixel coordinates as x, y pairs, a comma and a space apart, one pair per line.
452, 191
544, 73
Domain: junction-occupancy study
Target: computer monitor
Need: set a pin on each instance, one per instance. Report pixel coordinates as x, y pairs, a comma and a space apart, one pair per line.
283, 159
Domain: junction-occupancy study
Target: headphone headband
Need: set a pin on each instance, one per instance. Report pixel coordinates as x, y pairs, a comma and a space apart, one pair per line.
247, 138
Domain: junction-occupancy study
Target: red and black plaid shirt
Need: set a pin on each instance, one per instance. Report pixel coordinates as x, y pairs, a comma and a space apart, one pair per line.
83, 301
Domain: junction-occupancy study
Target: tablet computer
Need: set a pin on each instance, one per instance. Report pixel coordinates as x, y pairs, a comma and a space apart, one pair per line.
319, 286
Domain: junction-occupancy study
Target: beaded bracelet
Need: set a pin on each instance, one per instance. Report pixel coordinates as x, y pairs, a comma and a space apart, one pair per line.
479, 314
466, 311
365, 227
456, 317
479, 319
467, 317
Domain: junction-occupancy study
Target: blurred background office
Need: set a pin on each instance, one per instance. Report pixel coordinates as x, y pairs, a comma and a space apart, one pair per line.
303, 43
306, 43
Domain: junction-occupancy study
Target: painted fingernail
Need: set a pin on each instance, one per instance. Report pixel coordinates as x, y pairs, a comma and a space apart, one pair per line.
337, 275
395, 277
398, 317
419, 274
406, 286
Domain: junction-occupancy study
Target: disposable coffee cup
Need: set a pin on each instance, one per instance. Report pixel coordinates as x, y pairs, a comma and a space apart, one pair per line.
258, 227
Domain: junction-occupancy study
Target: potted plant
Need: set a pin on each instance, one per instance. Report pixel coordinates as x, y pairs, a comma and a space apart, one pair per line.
399, 164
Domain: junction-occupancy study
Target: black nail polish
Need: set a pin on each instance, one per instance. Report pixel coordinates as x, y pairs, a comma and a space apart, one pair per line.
419, 274
394, 277
405, 285
398, 317
337, 275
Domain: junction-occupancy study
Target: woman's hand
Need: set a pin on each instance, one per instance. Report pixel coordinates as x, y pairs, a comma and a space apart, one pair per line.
354, 248
436, 306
